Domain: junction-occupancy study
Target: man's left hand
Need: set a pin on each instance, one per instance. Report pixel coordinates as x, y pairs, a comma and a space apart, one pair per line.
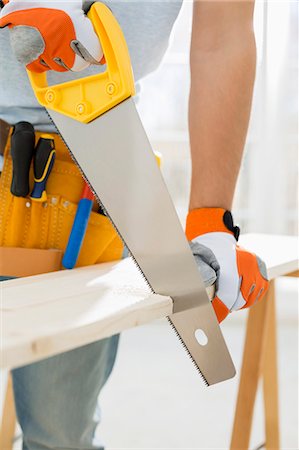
241, 275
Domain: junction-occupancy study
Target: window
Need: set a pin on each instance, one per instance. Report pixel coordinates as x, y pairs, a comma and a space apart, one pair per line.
265, 200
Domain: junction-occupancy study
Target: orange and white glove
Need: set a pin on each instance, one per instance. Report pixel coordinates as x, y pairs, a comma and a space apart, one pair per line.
241, 275
51, 35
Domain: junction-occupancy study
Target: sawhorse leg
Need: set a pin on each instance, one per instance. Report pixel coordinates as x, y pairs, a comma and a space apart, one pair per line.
259, 360
9, 421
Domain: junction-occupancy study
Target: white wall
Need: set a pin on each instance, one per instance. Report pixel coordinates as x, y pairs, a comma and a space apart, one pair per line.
266, 198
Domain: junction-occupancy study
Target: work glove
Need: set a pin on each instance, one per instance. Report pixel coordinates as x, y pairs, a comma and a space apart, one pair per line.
241, 276
51, 35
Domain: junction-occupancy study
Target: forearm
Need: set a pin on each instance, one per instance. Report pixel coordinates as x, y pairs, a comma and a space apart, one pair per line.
223, 59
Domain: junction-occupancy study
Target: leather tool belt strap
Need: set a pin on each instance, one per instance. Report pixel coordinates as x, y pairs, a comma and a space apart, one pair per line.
4, 131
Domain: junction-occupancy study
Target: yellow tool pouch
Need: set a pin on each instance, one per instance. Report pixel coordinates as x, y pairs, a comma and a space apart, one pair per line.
25, 223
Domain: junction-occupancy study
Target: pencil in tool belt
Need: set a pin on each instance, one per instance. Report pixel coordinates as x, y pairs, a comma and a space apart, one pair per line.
79, 229
44, 158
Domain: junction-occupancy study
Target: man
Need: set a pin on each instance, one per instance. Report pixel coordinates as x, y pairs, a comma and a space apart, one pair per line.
56, 399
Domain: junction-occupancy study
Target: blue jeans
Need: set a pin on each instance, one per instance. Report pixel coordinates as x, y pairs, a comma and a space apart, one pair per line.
57, 398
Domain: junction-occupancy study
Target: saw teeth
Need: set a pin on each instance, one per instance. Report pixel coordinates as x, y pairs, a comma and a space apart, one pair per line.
136, 263
188, 353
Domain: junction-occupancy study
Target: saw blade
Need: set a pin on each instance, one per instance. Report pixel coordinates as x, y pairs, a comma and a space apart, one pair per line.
115, 157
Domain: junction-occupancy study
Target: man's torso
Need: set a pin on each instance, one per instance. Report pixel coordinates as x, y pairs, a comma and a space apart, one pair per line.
146, 25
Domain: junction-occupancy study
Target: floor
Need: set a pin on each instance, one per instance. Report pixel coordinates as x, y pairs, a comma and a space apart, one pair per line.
155, 398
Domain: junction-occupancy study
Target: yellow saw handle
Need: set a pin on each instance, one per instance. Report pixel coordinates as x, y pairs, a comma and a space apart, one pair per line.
87, 98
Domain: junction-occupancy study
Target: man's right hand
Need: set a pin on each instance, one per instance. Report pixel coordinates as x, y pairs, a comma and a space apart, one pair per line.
51, 35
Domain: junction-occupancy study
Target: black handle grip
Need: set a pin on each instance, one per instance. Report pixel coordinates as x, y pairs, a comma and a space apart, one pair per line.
22, 149
43, 152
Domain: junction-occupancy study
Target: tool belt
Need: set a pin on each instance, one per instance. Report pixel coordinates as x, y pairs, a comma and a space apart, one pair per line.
26, 224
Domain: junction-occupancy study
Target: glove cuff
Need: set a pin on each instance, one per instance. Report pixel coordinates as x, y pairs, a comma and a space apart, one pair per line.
208, 220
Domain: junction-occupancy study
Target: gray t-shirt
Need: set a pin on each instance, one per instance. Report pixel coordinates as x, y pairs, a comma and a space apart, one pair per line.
146, 26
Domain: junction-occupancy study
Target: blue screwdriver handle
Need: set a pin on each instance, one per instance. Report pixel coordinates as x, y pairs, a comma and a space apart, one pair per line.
78, 230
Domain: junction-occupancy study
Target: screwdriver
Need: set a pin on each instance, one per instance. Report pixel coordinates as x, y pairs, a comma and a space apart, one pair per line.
44, 158
22, 150
79, 228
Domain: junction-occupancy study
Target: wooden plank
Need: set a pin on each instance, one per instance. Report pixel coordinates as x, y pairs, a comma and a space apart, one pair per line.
251, 370
294, 274
270, 380
9, 419
85, 305
51, 313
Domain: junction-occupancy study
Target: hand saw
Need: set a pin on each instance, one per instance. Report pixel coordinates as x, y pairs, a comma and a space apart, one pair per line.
97, 119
